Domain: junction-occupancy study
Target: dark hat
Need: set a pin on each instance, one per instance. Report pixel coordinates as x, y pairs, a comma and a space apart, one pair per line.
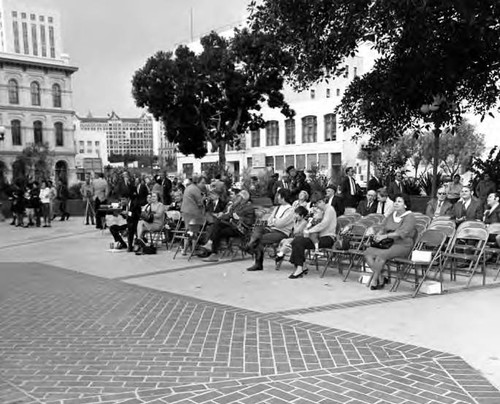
275, 175
290, 168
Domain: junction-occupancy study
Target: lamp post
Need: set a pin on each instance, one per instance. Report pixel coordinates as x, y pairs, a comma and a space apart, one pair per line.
368, 149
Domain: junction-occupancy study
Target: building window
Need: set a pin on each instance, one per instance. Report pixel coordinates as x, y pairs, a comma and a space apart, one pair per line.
14, 14
25, 39
255, 134
59, 130
33, 17
272, 133
327, 93
43, 39
338, 92
35, 93
15, 127
290, 131
34, 39
38, 132
13, 92
17, 43
309, 129
56, 96
52, 42
346, 72
41, 18
23, 15
81, 147
355, 71
330, 127
313, 94
51, 20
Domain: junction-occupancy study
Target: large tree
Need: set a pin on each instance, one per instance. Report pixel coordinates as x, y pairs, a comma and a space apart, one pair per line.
437, 58
215, 96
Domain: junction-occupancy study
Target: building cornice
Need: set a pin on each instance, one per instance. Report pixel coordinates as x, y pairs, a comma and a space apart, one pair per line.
52, 111
36, 64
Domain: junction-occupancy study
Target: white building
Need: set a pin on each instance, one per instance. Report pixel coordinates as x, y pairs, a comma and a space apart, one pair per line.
91, 150
312, 137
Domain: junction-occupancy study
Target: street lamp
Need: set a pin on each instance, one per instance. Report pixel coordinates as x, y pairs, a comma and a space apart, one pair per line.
368, 149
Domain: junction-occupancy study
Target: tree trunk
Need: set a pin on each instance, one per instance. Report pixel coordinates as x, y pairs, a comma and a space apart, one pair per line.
435, 160
222, 155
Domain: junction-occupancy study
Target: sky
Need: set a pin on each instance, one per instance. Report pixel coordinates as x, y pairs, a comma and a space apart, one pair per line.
108, 40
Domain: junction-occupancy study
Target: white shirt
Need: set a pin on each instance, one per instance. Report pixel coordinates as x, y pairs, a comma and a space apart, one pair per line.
388, 207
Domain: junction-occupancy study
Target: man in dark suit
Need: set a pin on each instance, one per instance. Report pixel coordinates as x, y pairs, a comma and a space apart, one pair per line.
142, 192
396, 187
131, 212
334, 200
374, 184
350, 189
492, 214
467, 207
368, 205
166, 186
439, 206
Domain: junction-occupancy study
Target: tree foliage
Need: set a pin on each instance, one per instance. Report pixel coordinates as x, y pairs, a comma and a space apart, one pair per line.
34, 163
490, 165
215, 96
456, 150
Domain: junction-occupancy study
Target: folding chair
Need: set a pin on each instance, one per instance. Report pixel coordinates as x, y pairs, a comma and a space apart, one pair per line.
423, 219
492, 247
471, 224
379, 216
356, 247
177, 233
156, 238
466, 248
191, 239
432, 242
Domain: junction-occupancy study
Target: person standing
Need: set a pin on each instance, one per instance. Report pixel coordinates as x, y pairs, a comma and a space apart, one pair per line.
101, 192
193, 209
396, 187
45, 193
454, 189
484, 188
349, 189
166, 185
62, 196
87, 191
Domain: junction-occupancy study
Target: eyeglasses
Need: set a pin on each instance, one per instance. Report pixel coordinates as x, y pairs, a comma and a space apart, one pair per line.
441, 193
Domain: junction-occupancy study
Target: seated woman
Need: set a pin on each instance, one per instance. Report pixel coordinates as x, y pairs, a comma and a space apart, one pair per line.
158, 215
399, 226
326, 229
299, 225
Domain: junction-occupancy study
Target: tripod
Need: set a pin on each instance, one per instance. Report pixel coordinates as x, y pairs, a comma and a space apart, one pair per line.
89, 211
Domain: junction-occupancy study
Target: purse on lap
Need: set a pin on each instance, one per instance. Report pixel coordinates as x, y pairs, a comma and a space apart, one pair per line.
384, 244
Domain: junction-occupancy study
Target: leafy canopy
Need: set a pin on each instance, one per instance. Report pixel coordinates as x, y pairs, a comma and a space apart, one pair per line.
439, 53
214, 96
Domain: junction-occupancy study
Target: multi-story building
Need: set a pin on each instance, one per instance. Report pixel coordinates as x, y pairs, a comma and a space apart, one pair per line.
313, 137
167, 151
35, 88
132, 136
91, 151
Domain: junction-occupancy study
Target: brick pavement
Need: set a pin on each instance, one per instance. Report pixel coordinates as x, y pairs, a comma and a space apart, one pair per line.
70, 338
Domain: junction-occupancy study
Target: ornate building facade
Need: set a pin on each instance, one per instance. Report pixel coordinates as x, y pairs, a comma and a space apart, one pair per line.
36, 107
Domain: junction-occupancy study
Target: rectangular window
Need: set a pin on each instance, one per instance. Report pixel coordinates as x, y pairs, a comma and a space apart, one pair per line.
330, 127
14, 14
280, 163
323, 161
338, 92
25, 39
97, 144
313, 94
346, 72
17, 43
270, 161
309, 129
327, 93
312, 160
289, 161
33, 17
41, 18
51, 20
16, 132
23, 15
290, 131
34, 39
255, 134
249, 162
355, 72
300, 161
52, 42
272, 133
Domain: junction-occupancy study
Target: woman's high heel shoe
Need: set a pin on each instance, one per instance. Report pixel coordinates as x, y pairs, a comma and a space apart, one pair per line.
304, 272
278, 260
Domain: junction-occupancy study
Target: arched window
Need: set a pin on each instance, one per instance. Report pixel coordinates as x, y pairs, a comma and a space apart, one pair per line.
290, 131
38, 132
15, 127
330, 127
35, 93
59, 130
13, 92
309, 129
56, 96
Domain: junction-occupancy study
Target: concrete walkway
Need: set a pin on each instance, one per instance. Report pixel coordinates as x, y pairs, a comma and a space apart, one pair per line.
461, 324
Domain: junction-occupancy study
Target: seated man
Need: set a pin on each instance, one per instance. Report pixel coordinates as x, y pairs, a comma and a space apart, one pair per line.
333, 199
439, 206
467, 207
279, 226
131, 211
492, 215
368, 205
235, 223
384, 205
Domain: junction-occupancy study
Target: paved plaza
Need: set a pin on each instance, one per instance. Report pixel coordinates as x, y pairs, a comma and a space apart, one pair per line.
79, 324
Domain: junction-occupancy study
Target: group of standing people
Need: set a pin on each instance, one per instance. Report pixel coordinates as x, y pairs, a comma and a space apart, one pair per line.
38, 202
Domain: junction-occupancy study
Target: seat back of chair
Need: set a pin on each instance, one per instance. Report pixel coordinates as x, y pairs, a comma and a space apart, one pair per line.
469, 224
379, 216
423, 219
474, 237
494, 228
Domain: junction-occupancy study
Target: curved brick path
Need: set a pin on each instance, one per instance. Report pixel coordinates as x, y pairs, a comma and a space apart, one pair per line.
73, 338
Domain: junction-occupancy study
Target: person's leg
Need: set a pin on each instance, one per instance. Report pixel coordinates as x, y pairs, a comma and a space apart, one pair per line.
98, 216
314, 237
298, 255
131, 232
115, 231
140, 229
256, 246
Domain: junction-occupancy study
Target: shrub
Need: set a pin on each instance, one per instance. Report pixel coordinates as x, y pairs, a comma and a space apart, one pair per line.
74, 191
425, 182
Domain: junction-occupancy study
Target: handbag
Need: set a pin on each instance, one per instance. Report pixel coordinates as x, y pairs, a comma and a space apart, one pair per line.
384, 244
147, 215
343, 242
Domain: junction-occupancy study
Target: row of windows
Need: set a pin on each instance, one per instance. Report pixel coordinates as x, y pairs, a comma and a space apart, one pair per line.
15, 126
309, 131
35, 91
33, 17
301, 161
34, 39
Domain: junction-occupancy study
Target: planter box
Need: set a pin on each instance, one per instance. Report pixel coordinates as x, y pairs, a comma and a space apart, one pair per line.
76, 207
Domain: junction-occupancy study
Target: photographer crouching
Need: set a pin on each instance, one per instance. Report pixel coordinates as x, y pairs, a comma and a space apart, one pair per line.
131, 212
